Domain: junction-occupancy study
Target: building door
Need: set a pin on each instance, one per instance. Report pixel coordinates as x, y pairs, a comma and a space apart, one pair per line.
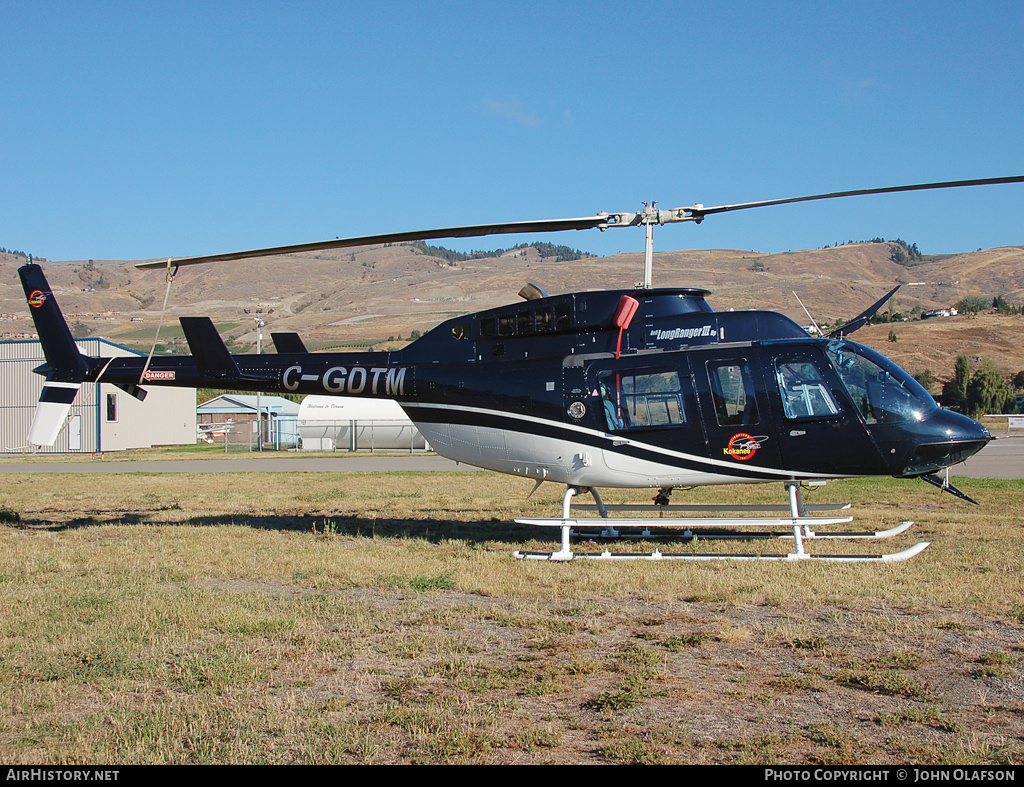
75, 433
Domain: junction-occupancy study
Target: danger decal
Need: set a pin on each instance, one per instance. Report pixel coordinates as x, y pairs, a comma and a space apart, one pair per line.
151, 375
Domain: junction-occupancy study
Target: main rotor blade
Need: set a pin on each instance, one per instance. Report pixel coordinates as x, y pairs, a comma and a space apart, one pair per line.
547, 225
698, 212
650, 215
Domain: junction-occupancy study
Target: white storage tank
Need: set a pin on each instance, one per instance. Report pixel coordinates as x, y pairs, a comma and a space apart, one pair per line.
350, 423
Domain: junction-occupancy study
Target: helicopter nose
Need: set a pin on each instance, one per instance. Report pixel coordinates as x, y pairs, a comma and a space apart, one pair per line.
944, 438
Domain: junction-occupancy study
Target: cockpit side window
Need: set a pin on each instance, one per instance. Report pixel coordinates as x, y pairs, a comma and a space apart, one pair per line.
732, 391
804, 391
632, 399
881, 391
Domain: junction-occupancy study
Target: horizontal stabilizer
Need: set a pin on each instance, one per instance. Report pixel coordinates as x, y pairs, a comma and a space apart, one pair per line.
288, 343
209, 351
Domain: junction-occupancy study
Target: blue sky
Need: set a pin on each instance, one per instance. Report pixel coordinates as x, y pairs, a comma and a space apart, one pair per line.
138, 130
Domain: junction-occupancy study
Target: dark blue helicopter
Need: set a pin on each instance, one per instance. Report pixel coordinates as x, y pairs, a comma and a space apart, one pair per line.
639, 388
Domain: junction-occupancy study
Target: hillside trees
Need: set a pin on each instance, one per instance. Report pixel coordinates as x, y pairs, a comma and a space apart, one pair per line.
16, 253
972, 304
903, 253
545, 250
1001, 305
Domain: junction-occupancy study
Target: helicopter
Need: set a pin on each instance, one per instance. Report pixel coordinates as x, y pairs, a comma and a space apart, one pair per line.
644, 388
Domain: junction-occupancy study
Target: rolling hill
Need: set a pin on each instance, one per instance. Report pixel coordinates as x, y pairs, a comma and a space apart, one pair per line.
379, 295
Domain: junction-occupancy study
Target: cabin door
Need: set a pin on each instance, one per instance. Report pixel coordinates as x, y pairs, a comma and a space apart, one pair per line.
738, 424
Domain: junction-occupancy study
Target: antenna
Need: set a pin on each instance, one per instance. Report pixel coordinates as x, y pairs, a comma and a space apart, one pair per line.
809, 317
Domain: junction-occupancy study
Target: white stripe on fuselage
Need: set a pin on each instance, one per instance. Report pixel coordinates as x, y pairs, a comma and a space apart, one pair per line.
469, 450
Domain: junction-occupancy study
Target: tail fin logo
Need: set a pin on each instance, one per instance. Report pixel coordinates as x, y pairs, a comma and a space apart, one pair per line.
36, 299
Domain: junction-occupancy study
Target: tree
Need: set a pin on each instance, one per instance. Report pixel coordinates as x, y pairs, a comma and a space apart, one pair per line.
1000, 304
954, 393
962, 373
988, 392
926, 378
972, 304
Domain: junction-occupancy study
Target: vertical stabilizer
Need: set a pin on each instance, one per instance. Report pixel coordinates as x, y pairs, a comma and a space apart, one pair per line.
58, 345
65, 366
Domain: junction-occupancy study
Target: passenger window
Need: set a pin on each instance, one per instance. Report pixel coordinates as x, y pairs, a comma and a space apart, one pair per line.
633, 399
803, 389
732, 391
562, 317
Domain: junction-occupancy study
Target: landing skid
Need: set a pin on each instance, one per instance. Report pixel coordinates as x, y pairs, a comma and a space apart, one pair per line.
722, 522
802, 526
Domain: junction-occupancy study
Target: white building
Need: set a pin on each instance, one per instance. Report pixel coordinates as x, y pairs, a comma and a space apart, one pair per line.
102, 418
352, 423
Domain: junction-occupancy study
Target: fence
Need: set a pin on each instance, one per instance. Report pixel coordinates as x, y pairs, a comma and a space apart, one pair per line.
1012, 421
240, 432
361, 435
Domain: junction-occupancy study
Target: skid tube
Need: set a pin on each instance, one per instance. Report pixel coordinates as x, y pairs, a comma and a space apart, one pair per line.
801, 524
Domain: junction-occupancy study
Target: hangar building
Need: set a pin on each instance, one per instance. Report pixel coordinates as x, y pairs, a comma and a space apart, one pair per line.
231, 418
103, 417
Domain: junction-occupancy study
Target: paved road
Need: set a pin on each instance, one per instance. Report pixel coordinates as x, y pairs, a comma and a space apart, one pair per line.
1003, 458
361, 463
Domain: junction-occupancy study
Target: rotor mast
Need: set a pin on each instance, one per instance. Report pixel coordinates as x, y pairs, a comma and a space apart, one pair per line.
648, 250
648, 218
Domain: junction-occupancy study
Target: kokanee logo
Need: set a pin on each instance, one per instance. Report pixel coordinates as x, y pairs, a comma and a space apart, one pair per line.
743, 446
36, 299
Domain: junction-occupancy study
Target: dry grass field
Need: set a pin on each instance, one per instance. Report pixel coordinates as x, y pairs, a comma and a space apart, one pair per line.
370, 618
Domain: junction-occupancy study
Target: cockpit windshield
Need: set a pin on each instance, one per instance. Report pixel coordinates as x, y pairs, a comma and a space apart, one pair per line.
882, 392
